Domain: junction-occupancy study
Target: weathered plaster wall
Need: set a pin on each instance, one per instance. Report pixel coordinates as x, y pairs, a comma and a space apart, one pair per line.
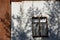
22, 12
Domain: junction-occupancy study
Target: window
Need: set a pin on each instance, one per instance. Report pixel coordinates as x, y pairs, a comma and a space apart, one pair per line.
39, 27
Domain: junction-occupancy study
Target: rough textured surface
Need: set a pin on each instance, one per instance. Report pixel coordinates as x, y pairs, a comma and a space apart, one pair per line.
4, 23
22, 13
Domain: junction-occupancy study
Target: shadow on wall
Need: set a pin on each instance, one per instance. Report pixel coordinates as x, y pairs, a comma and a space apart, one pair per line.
18, 34
54, 23
21, 35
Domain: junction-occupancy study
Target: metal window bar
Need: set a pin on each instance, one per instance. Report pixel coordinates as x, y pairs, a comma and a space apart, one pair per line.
39, 27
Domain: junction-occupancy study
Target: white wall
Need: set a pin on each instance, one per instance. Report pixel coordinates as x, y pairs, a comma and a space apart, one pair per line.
48, 9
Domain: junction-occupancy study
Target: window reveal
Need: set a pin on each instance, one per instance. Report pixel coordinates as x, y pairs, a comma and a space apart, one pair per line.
39, 27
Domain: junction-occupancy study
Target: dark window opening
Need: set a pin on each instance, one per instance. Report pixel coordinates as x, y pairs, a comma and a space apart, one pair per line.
39, 27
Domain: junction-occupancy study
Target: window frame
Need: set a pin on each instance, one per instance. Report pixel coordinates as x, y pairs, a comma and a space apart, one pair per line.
39, 26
